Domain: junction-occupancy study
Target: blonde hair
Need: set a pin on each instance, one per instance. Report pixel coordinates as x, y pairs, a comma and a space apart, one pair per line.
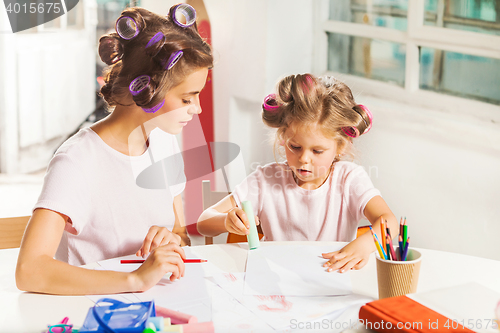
304, 99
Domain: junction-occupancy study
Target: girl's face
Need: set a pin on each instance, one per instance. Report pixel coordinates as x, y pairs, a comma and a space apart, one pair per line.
182, 102
310, 155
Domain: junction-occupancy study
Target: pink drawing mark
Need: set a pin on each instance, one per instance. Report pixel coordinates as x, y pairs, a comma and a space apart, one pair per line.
230, 277
282, 304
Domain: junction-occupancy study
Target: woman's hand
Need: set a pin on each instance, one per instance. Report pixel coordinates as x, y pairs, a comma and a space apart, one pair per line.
162, 260
237, 222
352, 256
156, 237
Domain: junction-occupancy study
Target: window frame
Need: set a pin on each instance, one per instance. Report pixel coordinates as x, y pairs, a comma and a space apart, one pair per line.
417, 35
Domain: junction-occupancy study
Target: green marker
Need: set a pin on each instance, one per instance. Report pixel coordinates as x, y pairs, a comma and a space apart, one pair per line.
253, 236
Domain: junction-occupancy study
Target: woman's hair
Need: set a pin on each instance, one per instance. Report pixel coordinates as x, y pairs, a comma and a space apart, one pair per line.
304, 100
129, 58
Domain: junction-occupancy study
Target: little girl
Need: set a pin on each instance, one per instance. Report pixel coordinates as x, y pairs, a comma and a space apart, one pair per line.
314, 195
91, 206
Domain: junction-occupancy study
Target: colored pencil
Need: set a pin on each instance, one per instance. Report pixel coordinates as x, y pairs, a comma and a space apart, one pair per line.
382, 233
140, 261
391, 248
387, 250
405, 253
405, 234
401, 226
377, 244
401, 247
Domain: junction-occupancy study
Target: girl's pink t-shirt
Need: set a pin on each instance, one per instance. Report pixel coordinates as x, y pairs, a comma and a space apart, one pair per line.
288, 212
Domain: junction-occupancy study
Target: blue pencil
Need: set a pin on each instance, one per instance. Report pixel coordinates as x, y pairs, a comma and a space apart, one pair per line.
405, 253
400, 248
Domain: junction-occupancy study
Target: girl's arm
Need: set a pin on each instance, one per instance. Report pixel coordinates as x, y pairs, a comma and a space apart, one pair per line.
212, 221
38, 271
355, 254
180, 222
224, 216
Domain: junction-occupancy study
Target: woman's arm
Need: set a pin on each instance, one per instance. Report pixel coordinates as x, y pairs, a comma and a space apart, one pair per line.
355, 254
38, 271
180, 222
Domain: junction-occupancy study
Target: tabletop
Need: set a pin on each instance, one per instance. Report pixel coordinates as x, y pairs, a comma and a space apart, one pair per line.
30, 312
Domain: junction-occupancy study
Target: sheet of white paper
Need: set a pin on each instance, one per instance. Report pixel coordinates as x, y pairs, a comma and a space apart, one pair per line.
281, 312
190, 294
231, 316
293, 270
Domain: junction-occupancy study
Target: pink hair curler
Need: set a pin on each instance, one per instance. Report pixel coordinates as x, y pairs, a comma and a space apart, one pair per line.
126, 28
370, 116
173, 59
187, 11
270, 103
351, 131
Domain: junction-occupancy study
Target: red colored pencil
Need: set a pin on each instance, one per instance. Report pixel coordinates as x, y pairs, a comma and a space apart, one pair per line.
140, 261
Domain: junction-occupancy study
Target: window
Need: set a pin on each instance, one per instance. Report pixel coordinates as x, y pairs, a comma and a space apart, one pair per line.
447, 46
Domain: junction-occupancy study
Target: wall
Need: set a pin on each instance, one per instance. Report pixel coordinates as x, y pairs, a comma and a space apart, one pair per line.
438, 169
48, 89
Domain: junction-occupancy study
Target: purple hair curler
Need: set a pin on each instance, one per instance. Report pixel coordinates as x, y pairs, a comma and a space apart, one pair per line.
270, 103
139, 84
173, 59
187, 11
126, 28
154, 108
155, 39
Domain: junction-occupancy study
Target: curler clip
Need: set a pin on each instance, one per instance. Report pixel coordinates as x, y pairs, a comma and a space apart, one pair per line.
270, 103
183, 12
155, 39
173, 59
139, 84
154, 108
351, 131
126, 28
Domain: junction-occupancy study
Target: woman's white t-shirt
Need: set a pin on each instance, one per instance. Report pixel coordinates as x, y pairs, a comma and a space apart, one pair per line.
111, 199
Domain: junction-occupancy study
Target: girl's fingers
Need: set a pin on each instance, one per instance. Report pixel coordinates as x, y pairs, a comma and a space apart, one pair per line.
335, 265
334, 257
360, 264
329, 254
242, 217
349, 265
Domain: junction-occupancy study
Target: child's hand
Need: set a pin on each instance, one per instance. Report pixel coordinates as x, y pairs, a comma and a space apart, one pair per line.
351, 256
237, 222
162, 260
156, 237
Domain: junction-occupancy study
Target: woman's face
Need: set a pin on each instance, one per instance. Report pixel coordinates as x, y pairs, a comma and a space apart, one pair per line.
182, 102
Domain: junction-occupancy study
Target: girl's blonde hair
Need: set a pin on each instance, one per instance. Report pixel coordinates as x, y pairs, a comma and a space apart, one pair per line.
304, 100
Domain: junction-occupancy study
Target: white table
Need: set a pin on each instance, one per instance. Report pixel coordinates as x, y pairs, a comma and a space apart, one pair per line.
30, 313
